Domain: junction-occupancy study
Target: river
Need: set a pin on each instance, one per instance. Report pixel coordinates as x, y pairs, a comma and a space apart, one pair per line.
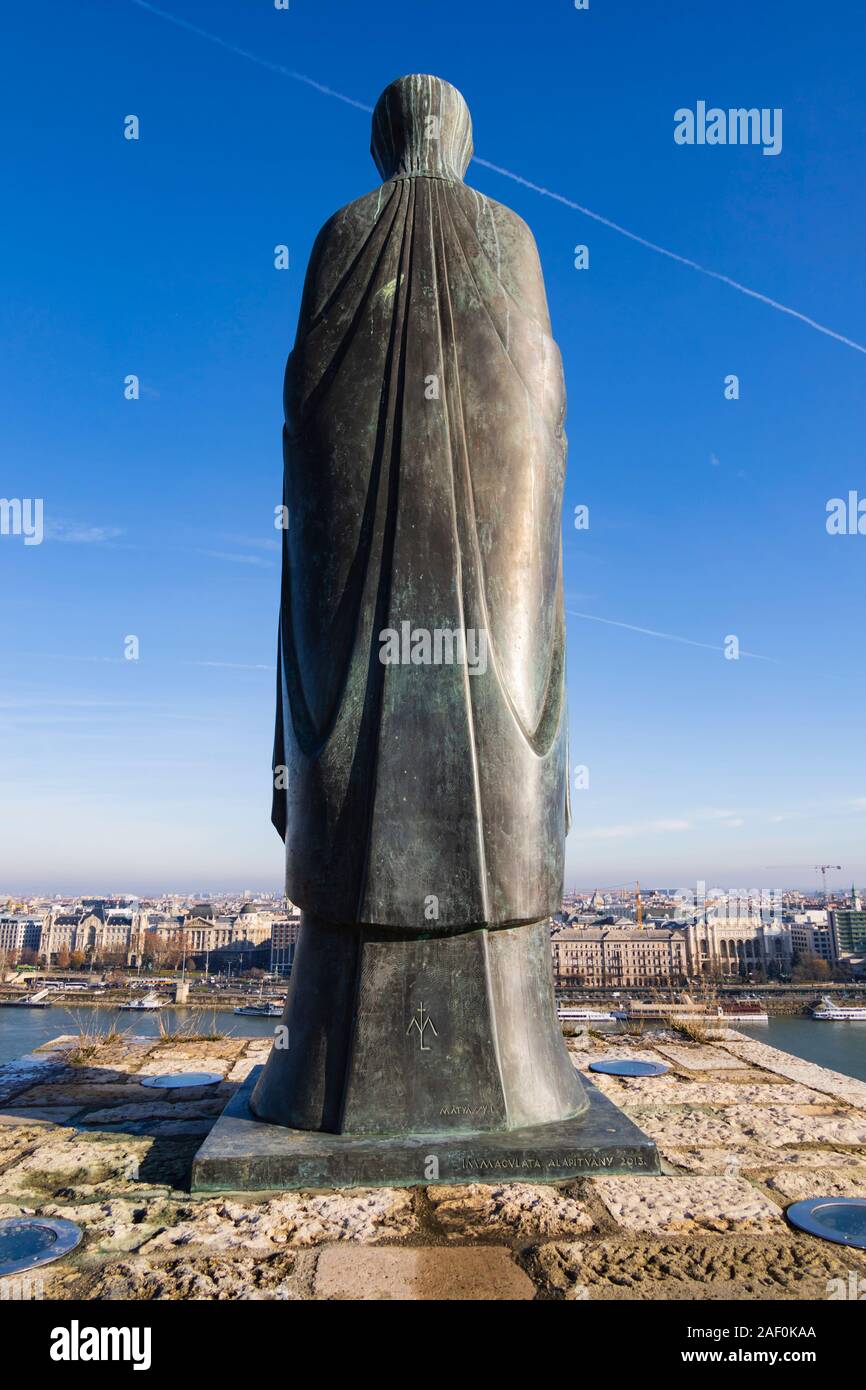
840, 1046
22, 1030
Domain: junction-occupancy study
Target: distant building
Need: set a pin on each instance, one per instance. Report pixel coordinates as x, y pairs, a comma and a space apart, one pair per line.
204, 934
617, 957
849, 928
108, 931
284, 939
733, 946
17, 935
810, 936
60, 934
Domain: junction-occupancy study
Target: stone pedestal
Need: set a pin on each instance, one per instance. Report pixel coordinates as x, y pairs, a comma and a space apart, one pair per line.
243, 1154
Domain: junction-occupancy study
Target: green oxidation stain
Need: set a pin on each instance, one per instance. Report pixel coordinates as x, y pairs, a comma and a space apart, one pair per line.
386, 294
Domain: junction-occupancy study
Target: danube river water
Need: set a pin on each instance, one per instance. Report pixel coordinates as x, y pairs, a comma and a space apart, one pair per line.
840, 1046
22, 1030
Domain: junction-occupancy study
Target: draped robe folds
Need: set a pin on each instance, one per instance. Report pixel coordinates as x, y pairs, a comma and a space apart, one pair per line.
424, 460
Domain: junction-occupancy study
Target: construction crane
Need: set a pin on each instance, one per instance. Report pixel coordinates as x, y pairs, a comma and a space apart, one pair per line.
638, 908
823, 869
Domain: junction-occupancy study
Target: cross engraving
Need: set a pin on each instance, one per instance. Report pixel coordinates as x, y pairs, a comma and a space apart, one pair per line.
422, 1021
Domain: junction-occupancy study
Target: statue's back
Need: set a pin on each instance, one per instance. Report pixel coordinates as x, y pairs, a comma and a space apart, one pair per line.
422, 714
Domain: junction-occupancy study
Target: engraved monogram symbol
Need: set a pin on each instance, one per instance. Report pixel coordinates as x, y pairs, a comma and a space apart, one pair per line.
422, 1021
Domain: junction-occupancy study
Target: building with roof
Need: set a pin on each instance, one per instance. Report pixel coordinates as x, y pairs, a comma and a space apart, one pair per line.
60, 934
735, 946
19, 935
812, 936
849, 929
620, 958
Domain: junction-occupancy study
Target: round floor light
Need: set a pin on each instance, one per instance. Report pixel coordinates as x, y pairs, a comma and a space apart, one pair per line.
29, 1241
175, 1080
839, 1219
629, 1066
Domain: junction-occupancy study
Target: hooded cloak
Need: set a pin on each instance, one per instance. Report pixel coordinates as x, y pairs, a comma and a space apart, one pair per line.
424, 458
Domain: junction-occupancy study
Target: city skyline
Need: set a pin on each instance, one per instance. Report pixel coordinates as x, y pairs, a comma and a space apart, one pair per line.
706, 515
698, 891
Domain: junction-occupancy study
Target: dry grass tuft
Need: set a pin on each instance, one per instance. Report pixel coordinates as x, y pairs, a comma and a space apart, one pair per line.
194, 1029
92, 1041
691, 1028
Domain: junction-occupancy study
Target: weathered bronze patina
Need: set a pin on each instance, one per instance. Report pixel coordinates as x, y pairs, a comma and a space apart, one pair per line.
420, 754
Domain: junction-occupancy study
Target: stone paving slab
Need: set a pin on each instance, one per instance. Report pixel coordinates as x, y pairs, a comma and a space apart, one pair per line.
85, 1094
193, 1109
242, 1068
667, 1205
676, 1129
513, 1210
700, 1058
782, 1266
833, 1083
65, 1159
786, 1124
427, 1272
170, 1062
26, 1072
39, 1115
116, 1225
796, 1184
754, 1157
638, 1093
242, 1278
17, 1141
298, 1219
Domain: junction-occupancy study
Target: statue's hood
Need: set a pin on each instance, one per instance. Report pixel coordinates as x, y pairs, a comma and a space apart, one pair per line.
421, 125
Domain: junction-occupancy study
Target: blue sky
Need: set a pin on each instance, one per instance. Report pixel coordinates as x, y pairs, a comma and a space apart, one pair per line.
707, 516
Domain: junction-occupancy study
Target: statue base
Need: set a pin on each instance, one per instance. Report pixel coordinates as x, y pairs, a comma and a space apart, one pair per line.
244, 1154
409, 1059
388, 1033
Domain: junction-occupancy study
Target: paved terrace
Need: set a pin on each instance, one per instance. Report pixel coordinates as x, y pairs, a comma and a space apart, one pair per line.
743, 1130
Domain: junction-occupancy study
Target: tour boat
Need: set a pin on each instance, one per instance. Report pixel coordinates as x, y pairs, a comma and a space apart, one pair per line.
150, 1002
272, 1010
746, 1011
836, 1013
585, 1016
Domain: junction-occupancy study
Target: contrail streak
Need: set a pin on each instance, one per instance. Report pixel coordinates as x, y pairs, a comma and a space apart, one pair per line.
253, 57
517, 178
668, 636
673, 255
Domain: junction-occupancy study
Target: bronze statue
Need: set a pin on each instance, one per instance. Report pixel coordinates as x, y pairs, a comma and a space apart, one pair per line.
420, 754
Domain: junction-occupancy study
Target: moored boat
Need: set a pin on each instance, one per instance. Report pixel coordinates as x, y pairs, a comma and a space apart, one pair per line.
149, 1003
827, 1011
578, 1015
745, 1011
269, 1010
